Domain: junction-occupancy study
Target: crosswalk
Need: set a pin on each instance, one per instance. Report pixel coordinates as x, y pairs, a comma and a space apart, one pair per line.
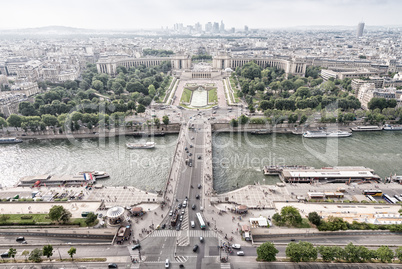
183, 240
181, 259
225, 265
188, 233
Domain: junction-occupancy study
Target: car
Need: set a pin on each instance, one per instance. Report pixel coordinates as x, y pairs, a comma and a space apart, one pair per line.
192, 138
167, 263
182, 212
181, 218
20, 238
178, 226
191, 146
163, 226
191, 118
112, 265
193, 207
201, 239
214, 112
185, 204
5, 255
292, 239
197, 196
179, 205
170, 212
190, 154
24, 242
181, 266
199, 157
199, 186
185, 199
240, 253
186, 148
136, 246
195, 248
192, 223
236, 246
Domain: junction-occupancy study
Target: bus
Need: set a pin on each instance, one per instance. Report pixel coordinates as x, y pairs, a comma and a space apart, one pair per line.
201, 220
373, 192
389, 199
371, 198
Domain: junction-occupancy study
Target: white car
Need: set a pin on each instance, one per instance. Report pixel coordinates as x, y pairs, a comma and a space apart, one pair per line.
167, 264
236, 246
240, 253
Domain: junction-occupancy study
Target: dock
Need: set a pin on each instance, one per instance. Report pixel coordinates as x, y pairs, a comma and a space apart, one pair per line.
274, 170
336, 174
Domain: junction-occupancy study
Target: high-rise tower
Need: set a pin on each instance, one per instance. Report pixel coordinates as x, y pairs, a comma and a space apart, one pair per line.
360, 28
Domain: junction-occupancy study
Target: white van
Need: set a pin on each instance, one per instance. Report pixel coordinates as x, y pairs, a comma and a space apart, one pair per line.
192, 223
167, 264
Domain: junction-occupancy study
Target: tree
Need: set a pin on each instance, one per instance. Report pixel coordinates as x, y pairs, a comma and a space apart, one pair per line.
3, 122
14, 120
165, 120
27, 109
25, 253
398, 253
36, 255
302, 251
267, 252
234, 123
90, 219
49, 120
291, 215
385, 254
303, 119
97, 85
251, 70
140, 108
12, 252
48, 251
243, 119
59, 213
327, 253
72, 251
314, 218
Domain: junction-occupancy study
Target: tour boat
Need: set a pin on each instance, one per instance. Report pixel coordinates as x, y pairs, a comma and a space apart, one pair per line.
147, 145
389, 127
9, 140
322, 134
366, 128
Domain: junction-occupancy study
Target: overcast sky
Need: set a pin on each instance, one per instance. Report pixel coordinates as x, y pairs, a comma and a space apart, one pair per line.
136, 14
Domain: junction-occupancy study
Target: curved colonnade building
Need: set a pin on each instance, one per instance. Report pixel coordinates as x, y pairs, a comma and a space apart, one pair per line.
109, 65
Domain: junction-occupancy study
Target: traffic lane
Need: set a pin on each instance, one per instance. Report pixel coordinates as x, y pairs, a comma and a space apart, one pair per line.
82, 251
49, 240
58, 265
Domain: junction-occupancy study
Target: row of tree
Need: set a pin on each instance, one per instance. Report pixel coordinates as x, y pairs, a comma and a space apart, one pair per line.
306, 252
36, 254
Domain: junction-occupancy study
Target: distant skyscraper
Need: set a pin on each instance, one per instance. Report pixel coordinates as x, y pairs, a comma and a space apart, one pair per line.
222, 27
245, 28
215, 28
360, 28
208, 27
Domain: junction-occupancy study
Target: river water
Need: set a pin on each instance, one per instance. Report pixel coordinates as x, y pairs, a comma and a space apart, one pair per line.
146, 169
238, 159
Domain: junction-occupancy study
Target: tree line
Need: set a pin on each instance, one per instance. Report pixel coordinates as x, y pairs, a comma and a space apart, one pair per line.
306, 252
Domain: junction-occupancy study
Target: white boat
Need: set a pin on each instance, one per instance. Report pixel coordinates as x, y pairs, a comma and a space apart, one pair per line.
147, 145
322, 134
389, 127
9, 140
366, 128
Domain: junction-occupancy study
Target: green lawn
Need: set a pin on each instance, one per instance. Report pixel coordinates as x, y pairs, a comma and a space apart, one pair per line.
234, 88
164, 92
212, 96
186, 96
16, 219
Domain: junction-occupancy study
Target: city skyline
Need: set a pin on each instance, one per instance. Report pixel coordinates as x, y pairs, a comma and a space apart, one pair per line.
155, 14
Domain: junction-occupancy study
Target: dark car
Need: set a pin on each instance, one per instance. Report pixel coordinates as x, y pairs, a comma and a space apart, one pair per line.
178, 226
197, 196
199, 186
163, 226
193, 207
199, 157
20, 238
136, 246
112, 265
179, 206
195, 248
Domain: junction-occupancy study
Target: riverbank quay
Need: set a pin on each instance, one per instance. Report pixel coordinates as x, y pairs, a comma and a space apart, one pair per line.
144, 131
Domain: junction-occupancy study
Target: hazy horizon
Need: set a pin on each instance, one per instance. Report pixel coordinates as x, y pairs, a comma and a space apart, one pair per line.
154, 14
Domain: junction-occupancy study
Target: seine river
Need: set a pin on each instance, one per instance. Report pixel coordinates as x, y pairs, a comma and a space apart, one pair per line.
146, 169
238, 158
